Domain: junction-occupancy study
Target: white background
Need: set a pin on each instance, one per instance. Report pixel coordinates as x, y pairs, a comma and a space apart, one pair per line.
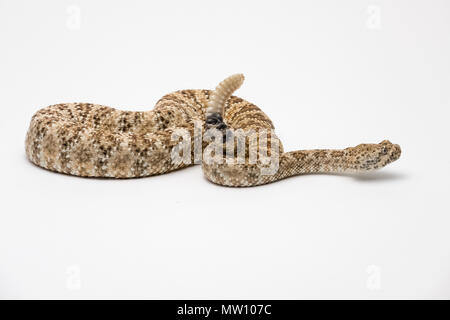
330, 74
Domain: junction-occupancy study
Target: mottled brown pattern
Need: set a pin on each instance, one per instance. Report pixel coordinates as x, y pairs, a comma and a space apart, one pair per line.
91, 140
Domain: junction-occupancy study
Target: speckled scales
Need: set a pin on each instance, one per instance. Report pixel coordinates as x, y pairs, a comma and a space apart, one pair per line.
91, 140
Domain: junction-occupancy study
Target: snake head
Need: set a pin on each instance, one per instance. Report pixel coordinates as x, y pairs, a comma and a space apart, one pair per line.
389, 152
374, 156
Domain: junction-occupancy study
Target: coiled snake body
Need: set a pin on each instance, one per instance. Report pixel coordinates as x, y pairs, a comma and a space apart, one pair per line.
97, 141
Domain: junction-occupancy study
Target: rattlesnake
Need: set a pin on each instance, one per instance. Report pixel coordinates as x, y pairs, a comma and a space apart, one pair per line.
92, 140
